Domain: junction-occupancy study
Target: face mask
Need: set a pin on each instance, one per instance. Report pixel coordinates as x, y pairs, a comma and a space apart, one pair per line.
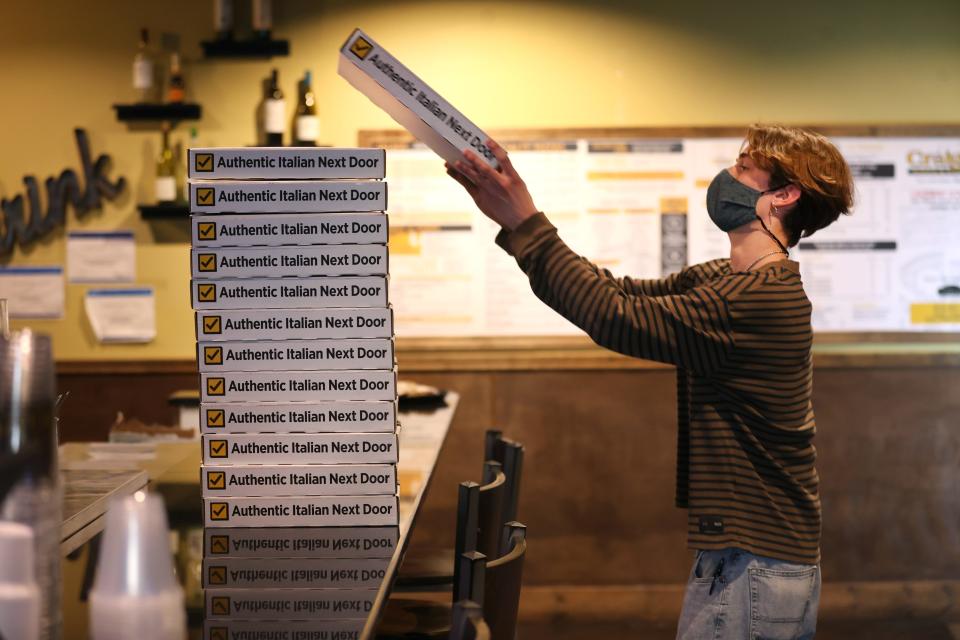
732, 204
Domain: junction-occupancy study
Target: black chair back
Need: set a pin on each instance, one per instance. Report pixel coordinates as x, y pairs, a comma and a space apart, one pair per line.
491, 518
468, 513
501, 592
510, 455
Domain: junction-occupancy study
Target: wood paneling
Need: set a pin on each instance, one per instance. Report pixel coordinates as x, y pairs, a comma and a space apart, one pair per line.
598, 484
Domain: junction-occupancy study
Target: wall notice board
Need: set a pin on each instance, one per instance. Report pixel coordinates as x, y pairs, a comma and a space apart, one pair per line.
633, 201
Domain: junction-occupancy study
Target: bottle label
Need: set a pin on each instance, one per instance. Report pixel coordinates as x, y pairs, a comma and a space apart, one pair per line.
262, 18
142, 74
308, 128
274, 114
223, 15
166, 189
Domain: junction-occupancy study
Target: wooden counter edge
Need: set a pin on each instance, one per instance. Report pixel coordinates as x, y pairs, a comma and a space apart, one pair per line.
568, 353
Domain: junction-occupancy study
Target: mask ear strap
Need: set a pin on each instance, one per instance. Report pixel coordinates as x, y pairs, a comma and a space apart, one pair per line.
775, 238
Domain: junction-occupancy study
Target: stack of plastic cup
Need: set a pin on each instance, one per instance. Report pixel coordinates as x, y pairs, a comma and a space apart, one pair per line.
136, 594
19, 595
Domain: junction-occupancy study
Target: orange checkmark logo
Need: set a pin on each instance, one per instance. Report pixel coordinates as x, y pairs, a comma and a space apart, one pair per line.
220, 605
361, 48
219, 511
216, 386
218, 449
206, 196
207, 292
217, 575
219, 544
203, 162
216, 480
207, 230
213, 355
212, 325
207, 261
215, 418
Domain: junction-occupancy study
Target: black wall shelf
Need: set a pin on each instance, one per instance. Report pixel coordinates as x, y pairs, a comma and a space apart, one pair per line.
164, 111
245, 48
164, 211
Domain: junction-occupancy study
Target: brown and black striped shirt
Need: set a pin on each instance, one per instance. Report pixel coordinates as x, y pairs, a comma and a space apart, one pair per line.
741, 344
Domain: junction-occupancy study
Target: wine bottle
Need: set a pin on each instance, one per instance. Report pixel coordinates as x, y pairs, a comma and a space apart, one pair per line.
223, 19
143, 69
176, 87
306, 127
262, 18
166, 181
274, 113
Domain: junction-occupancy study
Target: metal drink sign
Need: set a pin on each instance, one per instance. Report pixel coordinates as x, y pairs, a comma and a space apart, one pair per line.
84, 192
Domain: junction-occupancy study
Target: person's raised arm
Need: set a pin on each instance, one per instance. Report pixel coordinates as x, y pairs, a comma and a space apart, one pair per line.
504, 198
690, 330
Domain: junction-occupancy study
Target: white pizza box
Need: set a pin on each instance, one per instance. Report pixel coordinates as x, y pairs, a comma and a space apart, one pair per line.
279, 604
298, 261
302, 511
255, 480
355, 416
409, 100
301, 542
296, 355
294, 573
286, 163
294, 324
289, 293
287, 196
227, 629
231, 449
277, 229
298, 386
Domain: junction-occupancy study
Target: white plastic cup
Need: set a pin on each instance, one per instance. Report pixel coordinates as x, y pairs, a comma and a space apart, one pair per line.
19, 594
135, 593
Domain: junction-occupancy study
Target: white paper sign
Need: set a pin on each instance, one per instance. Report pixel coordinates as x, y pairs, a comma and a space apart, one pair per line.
101, 256
122, 315
32, 292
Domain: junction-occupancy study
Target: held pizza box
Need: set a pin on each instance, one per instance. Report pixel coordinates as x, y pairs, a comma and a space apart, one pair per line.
298, 386
298, 479
286, 163
296, 355
302, 511
357, 416
287, 196
294, 573
290, 293
300, 448
300, 261
276, 229
227, 629
273, 604
294, 324
301, 542
408, 100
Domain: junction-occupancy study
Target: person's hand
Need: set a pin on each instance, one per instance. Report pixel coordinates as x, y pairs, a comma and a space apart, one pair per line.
501, 195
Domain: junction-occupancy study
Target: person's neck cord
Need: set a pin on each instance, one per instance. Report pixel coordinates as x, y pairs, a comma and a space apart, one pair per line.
766, 255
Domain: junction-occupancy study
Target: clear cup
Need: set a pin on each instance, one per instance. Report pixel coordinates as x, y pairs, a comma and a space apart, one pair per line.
135, 593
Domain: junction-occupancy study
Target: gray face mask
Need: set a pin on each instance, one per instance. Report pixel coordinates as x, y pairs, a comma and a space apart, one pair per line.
732, 204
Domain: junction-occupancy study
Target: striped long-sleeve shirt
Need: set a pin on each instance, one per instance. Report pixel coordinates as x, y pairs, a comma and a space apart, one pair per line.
741, 344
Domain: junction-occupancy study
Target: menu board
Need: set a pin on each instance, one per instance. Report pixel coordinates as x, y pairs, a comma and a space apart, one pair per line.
636, 206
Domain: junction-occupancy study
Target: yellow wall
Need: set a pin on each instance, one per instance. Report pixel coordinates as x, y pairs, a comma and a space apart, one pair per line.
517, 64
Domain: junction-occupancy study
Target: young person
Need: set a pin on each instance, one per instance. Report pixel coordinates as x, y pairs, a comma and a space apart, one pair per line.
738, 331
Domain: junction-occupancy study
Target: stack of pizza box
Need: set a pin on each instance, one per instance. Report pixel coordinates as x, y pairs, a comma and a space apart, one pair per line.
295, 350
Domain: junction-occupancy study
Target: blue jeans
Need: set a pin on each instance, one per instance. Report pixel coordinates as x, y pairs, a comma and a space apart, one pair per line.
735, 595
